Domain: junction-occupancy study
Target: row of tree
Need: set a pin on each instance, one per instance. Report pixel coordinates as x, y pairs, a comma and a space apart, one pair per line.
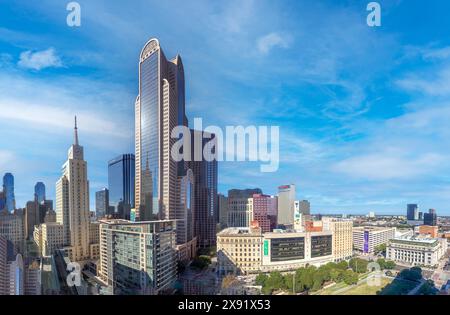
307, 279
312, 278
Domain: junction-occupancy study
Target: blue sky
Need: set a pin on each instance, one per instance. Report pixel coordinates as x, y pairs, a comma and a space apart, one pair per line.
363, 112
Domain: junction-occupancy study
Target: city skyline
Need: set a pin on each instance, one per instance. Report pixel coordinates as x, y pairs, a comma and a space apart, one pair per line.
348, 146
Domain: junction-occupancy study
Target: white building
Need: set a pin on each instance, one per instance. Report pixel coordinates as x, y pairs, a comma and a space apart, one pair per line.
342, 237
366, 238
416, 250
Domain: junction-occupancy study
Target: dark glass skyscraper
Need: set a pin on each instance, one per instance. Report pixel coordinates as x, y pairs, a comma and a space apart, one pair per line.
8, 189
412, 212
39, 192
121, 177
102, 203
205, 192
430, 218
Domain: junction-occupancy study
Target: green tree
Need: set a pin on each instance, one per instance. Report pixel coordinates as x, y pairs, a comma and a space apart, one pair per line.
350, 277
261, 279
380, 249
358, 265
343, 265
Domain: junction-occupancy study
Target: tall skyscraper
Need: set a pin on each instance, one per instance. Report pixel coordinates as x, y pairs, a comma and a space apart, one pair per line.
39, 192
72, 202
160, 107
430, 218
412, 212
32, 218
286, 207
121, 185
8, 189
205, 180
102, 203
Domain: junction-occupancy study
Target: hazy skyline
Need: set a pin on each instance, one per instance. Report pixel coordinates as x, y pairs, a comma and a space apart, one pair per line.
363, 112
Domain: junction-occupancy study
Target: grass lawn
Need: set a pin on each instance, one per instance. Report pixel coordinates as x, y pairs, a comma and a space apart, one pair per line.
361, 289
365, 289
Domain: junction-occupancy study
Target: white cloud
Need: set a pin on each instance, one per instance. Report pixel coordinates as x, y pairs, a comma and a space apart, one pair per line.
382, 166
272, 40
6, 157
40, 60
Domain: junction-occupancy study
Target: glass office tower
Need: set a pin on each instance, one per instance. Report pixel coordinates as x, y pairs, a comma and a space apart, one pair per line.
39, 192
121, 177
8, 189
160, 107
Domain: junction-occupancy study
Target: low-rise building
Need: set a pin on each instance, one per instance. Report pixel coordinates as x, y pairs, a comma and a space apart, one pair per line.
48, 238
366, 238
416, 250
239, 250
246, 250
431, 231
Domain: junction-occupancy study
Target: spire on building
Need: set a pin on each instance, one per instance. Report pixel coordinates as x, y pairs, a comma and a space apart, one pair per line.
76, 132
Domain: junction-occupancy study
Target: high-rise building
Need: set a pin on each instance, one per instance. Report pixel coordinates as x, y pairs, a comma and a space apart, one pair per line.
8, 189
205, 191
223, 210
342, 237
160, 106
12, 227
430, 218
286, 205
121, 185
137, 257
304, 207
412, 212
39, 192
261, 210
163, 185
32, 218
102, 203
72, 202
240, 210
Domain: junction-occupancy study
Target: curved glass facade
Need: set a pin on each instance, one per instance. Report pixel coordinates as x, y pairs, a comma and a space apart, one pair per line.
150, 111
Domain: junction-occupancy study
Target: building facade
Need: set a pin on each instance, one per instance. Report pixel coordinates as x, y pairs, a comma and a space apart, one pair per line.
286, 205
342, 231
121, 179
365, 239
72, 202
39, 192
8, 189
416, 251
430, 218
205, 187
48, 238
412, 212
138, 257
247, 250
102, 203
